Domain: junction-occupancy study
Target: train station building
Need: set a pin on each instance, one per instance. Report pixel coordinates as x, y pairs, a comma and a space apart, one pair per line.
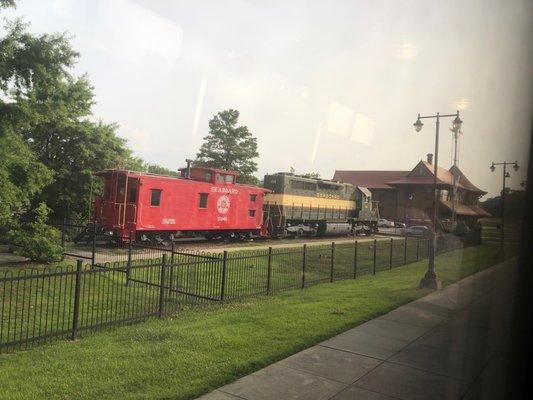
407, 196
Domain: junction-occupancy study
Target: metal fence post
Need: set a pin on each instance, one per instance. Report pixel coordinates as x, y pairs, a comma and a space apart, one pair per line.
332, 265
224, 266
355, 260
391, 249
63, 228
304, 260
77, 289
269, 270
405, 251
162, 285
417, 249
375, 249
93, 248
128, 265
171, 278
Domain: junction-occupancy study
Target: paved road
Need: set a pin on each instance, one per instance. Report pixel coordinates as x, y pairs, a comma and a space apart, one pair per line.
438, 347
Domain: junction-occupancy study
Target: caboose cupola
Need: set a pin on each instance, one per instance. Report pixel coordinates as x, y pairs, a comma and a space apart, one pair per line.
210, 175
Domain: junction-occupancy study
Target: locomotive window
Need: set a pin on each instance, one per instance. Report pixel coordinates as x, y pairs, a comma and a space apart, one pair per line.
300, 185
155, 199
251, 213
132, 195
253, 197
203, 200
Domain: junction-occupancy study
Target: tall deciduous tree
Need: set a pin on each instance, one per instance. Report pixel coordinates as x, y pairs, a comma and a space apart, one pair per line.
49, 146
229, 146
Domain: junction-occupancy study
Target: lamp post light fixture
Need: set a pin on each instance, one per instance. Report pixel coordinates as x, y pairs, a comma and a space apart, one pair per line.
430, 279
506, 174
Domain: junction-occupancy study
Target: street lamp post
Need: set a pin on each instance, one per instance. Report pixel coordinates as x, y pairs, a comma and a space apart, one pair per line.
430, 279
501, 252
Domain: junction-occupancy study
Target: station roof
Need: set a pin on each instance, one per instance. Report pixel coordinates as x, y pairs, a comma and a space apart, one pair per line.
369, 179
421, 174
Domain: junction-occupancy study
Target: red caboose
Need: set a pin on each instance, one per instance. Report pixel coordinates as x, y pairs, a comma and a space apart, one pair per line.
202, 201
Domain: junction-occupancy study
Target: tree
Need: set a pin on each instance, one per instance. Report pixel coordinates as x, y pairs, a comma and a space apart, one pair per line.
72, 146
229, 147
47, 111
22, 176
37, 240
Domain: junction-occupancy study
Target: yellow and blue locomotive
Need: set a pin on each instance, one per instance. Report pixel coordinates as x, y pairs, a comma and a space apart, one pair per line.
302, 206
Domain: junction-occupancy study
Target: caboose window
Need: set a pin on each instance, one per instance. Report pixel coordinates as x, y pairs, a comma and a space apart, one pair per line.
132, 195
155, 199
251, 213
229, 178
253, 197
208, 176
220, 178
203, 200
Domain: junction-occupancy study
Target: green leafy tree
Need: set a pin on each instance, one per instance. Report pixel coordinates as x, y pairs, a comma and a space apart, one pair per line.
22, 176
37, 240
49, 109
49, 146
229, 146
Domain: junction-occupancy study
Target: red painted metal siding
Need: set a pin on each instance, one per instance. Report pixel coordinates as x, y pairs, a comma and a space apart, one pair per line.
228, 206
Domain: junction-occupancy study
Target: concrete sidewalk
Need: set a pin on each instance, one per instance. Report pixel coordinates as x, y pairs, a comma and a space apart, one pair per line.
437, 347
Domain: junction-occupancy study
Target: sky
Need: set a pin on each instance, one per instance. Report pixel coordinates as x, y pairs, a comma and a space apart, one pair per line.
323, 85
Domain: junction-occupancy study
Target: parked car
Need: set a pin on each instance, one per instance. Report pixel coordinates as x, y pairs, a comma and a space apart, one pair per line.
385, 223
416, 230
399, 225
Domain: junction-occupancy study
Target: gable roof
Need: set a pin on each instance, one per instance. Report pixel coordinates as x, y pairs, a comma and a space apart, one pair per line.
464, 182
421, 174
369, 179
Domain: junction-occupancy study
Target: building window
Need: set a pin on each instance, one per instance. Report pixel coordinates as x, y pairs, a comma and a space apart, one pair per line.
203, 200
253, 197
208, 176
132, 195
251, 213
155, 199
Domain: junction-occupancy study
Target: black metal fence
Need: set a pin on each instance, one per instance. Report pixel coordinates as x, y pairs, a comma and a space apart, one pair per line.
45, 303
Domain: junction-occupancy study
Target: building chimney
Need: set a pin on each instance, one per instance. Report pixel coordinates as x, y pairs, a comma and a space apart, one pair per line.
430, 158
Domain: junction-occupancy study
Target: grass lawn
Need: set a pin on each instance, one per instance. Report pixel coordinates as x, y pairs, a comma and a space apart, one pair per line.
201, 349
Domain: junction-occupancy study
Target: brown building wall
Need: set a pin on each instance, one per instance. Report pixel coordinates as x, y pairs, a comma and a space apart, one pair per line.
413, 204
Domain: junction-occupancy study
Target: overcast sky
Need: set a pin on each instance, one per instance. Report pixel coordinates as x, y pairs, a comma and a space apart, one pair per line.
324, 85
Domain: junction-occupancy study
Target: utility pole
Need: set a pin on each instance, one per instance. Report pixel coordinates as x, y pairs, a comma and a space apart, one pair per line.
430, 279
505, 175
456, 131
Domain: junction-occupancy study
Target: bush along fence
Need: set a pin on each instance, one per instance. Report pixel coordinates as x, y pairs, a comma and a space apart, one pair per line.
63, 302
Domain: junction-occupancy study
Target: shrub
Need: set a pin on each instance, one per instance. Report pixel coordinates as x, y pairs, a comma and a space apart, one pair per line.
36, 239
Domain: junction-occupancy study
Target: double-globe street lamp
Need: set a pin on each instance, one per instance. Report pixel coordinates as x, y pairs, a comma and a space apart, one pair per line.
506, 175
430, 279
